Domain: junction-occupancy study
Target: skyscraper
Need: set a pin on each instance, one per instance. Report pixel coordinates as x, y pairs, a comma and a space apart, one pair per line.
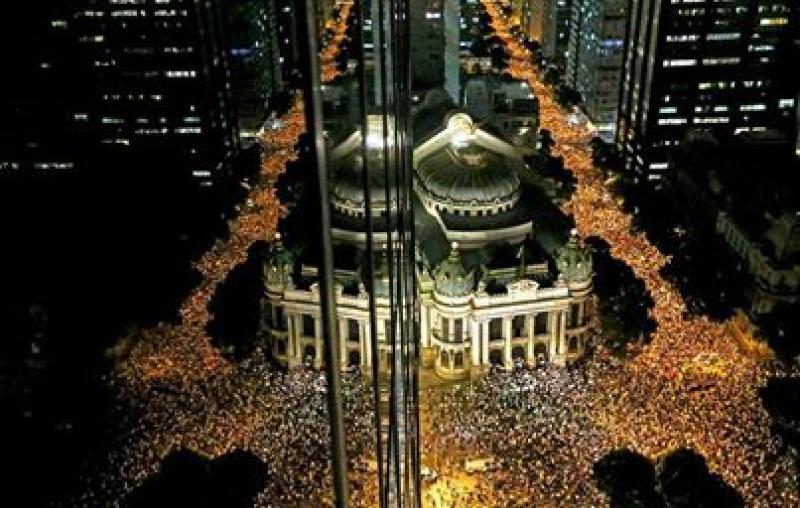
435, 45
594, 59
721, 66
552, 21
41, 87
146, 78
252, 34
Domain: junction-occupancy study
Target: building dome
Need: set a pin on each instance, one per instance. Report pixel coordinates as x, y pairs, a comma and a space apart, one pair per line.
347, 183
450, 277
468, 174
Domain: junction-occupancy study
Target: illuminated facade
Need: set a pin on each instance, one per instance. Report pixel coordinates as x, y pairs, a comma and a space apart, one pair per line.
488, 292
722, 66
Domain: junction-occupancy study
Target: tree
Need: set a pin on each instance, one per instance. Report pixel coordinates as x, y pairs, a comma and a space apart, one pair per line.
685, 482
237, 308
623, 300
568, 96
679, 480
628, 479
187, 480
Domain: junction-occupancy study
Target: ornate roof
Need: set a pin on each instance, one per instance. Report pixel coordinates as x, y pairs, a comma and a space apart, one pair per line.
468, 173
450, 277
574, 260
347, 175
280, 264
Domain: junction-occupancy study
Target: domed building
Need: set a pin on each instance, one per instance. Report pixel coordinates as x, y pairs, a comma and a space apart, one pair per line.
489, 293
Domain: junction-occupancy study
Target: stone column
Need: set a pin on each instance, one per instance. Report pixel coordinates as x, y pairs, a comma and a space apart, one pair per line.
423, 325
485, 342
474, 342
562, 334
367, 341
343, 343
318, 342
291, 340
298, 331
552, 326
530, 320
507, 343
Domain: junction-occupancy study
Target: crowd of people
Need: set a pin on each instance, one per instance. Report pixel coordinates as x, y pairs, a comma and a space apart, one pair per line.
182, 353
279, 417
544, 429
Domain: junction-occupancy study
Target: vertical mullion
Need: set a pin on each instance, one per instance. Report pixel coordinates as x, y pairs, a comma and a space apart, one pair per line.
326, 286
373, 315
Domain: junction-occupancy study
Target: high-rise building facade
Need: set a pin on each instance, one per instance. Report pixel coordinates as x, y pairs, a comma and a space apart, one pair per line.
594, 59
435, 45
151, 80
523, 12
42, 87
554, 18
252, 33
721, 66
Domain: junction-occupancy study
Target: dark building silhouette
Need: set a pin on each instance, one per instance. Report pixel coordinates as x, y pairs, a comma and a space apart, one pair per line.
722, 66
109, 80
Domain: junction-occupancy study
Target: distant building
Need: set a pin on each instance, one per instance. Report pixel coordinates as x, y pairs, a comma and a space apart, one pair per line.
508, 107
594, 59
523, 12
253, 31
490, 294
728, 67
43, 91
756, 212
554, 18
435, 45
772, 258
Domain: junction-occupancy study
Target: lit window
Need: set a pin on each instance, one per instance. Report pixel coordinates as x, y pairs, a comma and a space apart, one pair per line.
729, 60
680, 62
723, 36
753, 107
786, 103
180, 74
682, 38
773, 21
671, 121
710, 119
